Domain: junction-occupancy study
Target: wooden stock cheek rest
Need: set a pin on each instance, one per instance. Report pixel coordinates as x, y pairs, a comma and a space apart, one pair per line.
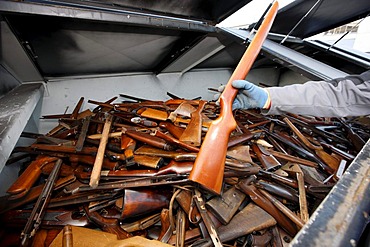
210, 163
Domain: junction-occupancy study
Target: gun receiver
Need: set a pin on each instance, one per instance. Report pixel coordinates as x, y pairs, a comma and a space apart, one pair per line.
209, 166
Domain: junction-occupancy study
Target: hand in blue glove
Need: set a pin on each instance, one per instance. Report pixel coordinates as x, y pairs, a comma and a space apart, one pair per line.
249, 95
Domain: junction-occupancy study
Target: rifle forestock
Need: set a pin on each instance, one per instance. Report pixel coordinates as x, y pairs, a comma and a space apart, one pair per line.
209, 166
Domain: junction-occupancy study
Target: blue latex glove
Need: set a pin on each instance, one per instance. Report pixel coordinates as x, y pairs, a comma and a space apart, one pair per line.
249, 95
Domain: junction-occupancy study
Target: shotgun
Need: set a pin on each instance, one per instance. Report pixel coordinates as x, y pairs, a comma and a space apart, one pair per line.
209, 166
329, 136
300, 151
284, 192
284, 209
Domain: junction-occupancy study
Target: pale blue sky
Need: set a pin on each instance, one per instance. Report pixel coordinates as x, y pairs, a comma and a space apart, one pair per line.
250, 13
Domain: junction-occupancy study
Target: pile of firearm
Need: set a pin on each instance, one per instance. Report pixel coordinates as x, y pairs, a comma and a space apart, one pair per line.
124, 169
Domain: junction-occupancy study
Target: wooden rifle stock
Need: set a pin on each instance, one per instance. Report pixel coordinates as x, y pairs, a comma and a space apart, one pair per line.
23, 184
142, 201
209, 166
173, 129
166, 232
128, 144
251, 218
193, 132
224, 207
9, 202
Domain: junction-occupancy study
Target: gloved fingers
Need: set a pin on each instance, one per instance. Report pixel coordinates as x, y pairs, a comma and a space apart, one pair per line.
242, 84
236, 105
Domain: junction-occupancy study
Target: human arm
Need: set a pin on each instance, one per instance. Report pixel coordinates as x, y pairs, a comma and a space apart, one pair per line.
341, 97
349, 96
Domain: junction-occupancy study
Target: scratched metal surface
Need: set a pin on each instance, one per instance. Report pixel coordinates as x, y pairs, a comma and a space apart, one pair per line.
344, 213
